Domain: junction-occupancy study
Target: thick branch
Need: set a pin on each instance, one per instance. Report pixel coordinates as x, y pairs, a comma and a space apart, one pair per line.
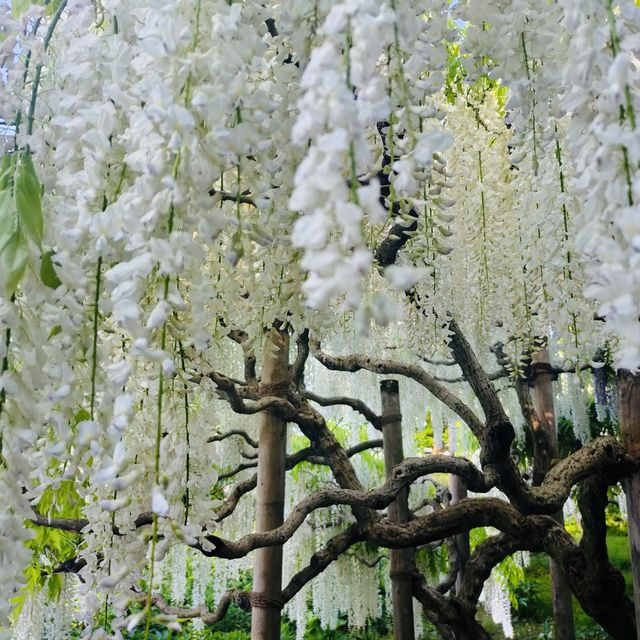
248, 354
297, 368
403, 475
238, 403
356, 362
604, 455
476, 375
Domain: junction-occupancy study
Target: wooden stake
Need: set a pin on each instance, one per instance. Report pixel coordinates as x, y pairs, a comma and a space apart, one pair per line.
272, 451
543, 401
629, 393
458, 492
401, 560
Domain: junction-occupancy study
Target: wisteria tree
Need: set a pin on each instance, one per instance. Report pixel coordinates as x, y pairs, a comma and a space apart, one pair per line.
227, 227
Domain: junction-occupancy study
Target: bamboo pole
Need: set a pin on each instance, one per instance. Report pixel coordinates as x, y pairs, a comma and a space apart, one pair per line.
272, 445
401, 560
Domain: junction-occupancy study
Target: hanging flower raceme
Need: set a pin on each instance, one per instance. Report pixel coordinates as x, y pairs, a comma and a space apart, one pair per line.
343, 95
602, 96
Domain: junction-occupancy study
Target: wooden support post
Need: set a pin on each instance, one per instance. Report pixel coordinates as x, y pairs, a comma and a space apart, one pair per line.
458, 492
401, 560
629, 393
543, 401
272, 450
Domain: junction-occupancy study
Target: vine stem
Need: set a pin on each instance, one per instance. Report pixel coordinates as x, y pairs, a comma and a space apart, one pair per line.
186, 427
36, 79
352, 153
94, 350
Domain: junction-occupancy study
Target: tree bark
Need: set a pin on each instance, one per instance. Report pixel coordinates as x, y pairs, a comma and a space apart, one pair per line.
272, 450
401, 560
543, 401
629, 389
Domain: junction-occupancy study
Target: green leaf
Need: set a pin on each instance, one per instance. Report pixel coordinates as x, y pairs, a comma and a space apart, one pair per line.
7, 167
48, 273
8, 218
81, 415
13, 262
27, 193
55, 331
54, 586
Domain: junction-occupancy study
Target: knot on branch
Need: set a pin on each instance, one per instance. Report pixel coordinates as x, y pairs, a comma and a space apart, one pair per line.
399, 471
242, 599
262, 601
279, 389
390, 418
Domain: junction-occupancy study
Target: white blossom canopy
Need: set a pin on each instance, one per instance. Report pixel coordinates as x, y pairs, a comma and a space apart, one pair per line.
176, 171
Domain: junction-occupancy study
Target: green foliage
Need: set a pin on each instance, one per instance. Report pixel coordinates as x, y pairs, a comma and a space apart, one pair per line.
476, 537
511, 574
424, 439
342, 432
616, 522
454, 73
527, 598
534, 613
50, 547
456, 85
21, 218
433, 561
573, 527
